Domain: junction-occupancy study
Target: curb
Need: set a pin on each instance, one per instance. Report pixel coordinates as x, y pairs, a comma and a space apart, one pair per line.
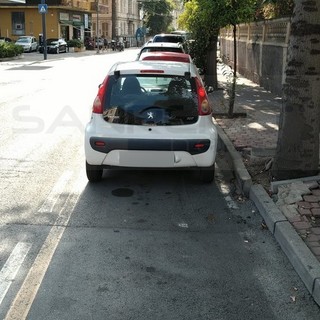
20, 56
298, 253
300, 256
242, 176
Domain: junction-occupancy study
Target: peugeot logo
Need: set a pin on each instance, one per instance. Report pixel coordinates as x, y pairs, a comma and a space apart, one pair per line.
150, 115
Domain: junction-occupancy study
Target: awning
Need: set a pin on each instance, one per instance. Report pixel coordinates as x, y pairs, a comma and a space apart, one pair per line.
72, 23
12, 1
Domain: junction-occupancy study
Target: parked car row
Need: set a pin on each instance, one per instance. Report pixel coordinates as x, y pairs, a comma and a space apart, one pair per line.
30, 44
160, 106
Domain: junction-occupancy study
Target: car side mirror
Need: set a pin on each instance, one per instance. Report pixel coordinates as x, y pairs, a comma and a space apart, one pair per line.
210, 89
201, 72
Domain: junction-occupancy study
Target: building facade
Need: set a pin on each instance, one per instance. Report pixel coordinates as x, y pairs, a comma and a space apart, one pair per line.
116, 18
70, 19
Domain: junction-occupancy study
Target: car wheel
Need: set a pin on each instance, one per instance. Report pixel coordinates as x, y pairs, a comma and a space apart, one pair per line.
206, 174
30, 50
94, 173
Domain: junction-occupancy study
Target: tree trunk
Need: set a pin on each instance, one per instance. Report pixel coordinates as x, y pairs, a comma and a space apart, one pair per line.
298, 140
234, 78
210, 77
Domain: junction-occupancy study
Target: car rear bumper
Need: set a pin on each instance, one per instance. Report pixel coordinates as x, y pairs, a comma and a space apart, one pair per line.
151, 147
192, 146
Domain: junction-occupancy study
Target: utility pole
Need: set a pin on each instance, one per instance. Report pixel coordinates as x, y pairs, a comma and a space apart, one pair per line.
43, 10
114, 19
97, 31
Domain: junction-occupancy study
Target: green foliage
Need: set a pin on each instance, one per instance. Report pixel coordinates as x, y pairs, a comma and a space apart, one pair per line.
9, 50
157, 15
75, 43
272, 9
204, 19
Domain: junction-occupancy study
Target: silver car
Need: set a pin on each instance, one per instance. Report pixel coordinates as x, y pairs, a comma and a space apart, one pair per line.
28, 43
161, 47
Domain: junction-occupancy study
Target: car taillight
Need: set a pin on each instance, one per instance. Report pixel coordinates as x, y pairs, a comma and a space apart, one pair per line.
204, 106
151, 71
98, 101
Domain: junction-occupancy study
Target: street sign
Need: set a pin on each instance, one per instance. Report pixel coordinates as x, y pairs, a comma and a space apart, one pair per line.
43, 8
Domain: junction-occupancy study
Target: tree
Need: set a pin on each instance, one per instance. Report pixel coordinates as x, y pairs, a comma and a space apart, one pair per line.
157, 15
204, 18
238, 11
271, 9
201, 17
298, 140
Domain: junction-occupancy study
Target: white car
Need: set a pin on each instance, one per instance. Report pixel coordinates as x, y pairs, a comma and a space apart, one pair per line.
161, 47
151, 114
28, 43
168, 37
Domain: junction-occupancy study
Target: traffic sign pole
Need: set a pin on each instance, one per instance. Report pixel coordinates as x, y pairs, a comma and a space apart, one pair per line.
44, 31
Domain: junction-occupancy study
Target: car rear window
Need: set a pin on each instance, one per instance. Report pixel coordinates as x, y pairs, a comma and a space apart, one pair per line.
158, 100
173, 38
162, 49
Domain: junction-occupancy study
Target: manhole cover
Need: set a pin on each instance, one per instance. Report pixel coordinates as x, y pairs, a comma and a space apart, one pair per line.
122, 192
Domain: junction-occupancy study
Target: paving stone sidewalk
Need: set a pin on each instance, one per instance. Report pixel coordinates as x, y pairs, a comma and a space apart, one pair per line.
299, 200
259, 130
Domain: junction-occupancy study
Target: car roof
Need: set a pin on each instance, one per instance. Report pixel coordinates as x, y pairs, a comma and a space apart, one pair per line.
150, 67
164, 34
179, 32
162, 44
167, 35
166, 56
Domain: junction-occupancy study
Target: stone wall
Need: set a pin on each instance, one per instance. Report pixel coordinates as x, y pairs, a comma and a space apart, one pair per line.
262, 51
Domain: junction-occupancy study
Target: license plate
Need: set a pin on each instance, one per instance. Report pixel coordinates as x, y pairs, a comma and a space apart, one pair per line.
147, 159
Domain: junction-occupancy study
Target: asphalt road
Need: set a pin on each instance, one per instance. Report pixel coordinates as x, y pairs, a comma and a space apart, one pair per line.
140, 244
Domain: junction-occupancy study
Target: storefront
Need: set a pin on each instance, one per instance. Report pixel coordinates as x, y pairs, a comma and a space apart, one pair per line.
73, 26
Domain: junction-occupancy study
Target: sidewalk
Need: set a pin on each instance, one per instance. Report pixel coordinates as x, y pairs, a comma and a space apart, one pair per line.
259, 130
290, 209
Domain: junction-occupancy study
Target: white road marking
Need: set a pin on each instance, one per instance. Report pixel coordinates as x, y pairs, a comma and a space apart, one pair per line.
23, 301
12, 266
183, 225
225, 190
55, 193
230, 203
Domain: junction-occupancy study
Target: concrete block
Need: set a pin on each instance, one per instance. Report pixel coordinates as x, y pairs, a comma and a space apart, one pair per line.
275, 184
316, 291
267, 208
263, 152
302, 259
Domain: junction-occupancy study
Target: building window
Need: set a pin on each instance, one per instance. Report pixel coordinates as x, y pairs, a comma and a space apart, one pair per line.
105, 29
18, 23
105, 6
130, 11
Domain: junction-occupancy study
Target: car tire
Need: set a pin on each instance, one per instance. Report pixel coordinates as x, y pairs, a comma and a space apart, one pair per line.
206, 174
94, 173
